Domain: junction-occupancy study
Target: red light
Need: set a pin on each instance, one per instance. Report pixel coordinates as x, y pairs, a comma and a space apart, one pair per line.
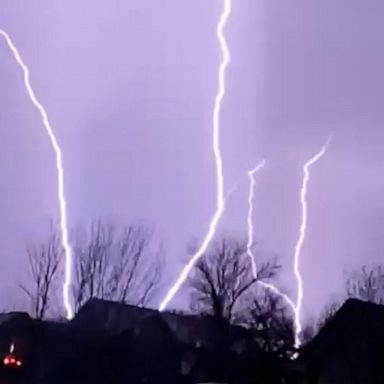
11, 361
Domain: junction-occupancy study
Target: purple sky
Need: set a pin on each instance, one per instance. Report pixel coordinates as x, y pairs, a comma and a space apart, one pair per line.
129, 88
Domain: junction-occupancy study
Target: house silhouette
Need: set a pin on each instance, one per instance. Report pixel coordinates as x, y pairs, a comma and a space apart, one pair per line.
348, 349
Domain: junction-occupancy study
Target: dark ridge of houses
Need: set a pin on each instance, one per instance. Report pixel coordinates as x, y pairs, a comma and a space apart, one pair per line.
115, 318
116, 343
113, 342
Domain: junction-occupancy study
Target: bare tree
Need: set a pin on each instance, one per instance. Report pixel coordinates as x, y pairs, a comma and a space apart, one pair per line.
44, 261
117, 265
271, 323
222, 278
366, 284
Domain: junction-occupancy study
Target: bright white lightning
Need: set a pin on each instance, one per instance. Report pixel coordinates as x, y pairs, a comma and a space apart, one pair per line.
269, 286
60, 173
300, 242
251, 175
220, 201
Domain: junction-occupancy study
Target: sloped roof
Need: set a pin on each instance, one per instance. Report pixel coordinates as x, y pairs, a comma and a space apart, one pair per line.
112, 316
4, 317
118, 317
356, 320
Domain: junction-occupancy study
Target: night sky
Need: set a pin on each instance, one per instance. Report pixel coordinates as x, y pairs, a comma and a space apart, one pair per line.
129, 87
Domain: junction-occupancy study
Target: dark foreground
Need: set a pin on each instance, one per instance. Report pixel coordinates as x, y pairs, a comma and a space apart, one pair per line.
114, 343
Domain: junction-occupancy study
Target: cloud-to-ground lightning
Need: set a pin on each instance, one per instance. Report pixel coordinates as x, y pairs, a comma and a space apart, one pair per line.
300, 242
59, 169
269, 286
220, 200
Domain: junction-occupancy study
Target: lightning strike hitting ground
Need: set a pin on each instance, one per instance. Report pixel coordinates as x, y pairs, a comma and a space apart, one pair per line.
220, 202
300, 242
271, 287
60, 173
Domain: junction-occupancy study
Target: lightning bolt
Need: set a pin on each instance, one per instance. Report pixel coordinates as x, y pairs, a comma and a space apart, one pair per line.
220, 202
300, 242
251, 175
60, 173
269, 286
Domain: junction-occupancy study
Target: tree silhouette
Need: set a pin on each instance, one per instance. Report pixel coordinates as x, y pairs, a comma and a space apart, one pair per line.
44, 260
222, 278
366, 283
271, 322
116, 265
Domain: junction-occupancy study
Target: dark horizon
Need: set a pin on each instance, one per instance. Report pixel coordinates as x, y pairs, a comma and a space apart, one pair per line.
129, 89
